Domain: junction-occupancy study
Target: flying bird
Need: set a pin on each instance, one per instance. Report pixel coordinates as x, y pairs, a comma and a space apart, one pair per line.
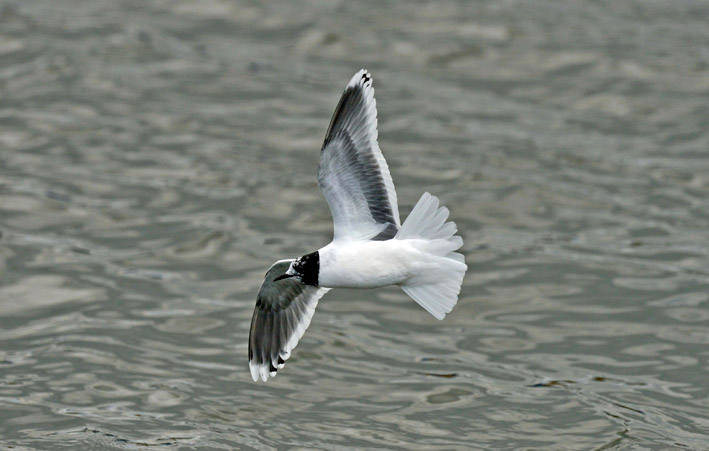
370, 247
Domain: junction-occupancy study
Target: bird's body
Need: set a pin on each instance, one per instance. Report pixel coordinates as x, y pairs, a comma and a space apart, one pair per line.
376, 264
370, 247
370, 264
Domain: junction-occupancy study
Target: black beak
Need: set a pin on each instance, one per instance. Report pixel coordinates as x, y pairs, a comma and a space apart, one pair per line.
284, 276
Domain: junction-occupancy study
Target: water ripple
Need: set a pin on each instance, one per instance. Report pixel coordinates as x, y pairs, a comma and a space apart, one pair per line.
157, 157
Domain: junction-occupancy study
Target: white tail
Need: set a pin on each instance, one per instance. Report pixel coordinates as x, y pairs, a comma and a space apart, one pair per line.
437, 289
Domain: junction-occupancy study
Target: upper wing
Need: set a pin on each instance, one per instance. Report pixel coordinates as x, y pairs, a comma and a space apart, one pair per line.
283, 312
353, 176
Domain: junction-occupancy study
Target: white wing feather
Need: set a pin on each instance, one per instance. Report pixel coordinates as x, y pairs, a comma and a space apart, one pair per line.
353, 175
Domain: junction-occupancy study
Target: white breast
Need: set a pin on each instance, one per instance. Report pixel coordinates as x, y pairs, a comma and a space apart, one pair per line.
368, 264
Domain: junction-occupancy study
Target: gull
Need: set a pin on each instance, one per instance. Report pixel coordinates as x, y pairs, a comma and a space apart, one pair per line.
370, 247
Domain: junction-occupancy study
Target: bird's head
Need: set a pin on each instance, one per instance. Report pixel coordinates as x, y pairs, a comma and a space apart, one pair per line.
306, 269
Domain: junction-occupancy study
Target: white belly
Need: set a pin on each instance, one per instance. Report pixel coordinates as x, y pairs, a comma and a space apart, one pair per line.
368, 264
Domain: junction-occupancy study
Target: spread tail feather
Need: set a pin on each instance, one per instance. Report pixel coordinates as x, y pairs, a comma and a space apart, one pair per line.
437, 290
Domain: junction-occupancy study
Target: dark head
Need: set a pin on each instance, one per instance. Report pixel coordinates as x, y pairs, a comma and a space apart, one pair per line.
305, 268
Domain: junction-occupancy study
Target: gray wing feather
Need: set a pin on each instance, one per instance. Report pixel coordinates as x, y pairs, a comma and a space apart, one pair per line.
353, 175
283, 312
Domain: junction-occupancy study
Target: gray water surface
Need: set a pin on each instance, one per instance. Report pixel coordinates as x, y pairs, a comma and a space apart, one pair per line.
157, 157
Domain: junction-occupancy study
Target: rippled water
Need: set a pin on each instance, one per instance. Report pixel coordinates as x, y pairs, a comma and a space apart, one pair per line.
157, 157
